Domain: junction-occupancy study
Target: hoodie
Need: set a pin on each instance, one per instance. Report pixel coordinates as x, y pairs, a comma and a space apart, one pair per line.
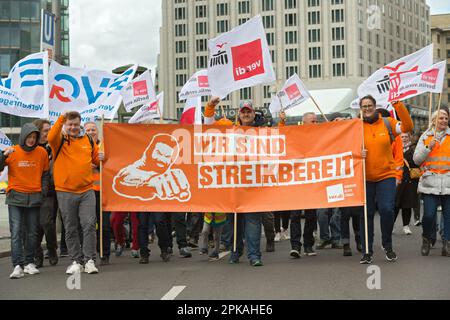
27, 171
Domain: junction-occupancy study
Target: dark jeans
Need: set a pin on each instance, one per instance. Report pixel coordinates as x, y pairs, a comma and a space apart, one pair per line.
248, 224
23, 221
160, 221
281, 220
47, 226
296, 229
106, 226
194, 225
329, 224
430, 204
347, 213
177, 221
227, 232
382, 193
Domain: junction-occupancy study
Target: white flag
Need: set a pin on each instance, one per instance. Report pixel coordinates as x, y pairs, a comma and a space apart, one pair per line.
149, 111
431, 80
93, 93
139, 92
192, 112
293, 92
4, 143
25, 92
239, 58
196, 86
384, 84
275, 106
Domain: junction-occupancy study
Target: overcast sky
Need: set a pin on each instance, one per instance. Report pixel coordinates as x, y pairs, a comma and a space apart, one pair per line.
105, 34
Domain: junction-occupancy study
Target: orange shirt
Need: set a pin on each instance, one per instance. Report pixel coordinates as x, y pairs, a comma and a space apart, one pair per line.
25, 169
397, 150
380, 162
72, 170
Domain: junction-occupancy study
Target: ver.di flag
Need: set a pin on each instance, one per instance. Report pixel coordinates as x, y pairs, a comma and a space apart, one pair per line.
192, 112
139, 92
384, 84
431, 80
196, 86
149, 111
293, 92
91, 92
25, 92
239, 59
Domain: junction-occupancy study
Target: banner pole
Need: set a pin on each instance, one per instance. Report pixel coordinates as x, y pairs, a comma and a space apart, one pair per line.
366, 232
437, 116
236, 118
235, 233
159, 112
101, 192
430, 107
319, 108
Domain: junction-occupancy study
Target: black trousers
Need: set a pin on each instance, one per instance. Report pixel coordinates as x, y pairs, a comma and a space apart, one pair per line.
308, 232
281, 220
355, 214
47, 226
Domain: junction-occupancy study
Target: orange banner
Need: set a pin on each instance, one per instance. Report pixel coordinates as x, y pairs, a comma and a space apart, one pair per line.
174, 168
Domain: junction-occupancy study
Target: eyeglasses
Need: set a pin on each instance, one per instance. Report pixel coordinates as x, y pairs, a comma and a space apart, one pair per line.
370, 106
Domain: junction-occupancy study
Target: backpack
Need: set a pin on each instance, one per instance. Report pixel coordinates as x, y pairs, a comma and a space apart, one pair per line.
64, 140
387, 123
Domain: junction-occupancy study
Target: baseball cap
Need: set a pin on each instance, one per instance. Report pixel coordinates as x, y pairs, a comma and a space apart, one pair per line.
246, 104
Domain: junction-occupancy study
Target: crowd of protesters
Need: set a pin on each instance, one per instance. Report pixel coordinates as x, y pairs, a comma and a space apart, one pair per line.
57, 169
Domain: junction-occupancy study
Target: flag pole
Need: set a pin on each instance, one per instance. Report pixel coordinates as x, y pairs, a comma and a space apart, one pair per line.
312, 98
102, 144
235, 233
236, 118
430, 107
366, 232
437, 116
159, 112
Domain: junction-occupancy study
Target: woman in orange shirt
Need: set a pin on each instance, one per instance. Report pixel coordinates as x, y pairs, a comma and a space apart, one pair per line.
28, 181
380, 172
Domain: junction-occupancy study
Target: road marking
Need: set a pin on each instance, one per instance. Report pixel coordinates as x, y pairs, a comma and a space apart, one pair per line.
173, 293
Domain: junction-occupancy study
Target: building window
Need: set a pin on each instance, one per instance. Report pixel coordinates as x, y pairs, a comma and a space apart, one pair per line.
315, 53
290, 71
290, 20
315, 71
222, 9
180, 30
200, 28
290, 4
338, 52
201, 45
314, 17
337, 33
291, 55
222, 26
268, 22
180, 80
180, 46
246, 93
202, 62
180, 13
200, 12
337, 15
180, 63
267, 5
314, 35
244, 7
291, 37
313, 3
270, 39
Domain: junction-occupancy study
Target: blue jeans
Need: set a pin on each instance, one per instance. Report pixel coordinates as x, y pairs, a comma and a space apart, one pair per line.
23, 221
227, 232
250, 225
430, 204
329, 219
160, 221
382, 193
308, 231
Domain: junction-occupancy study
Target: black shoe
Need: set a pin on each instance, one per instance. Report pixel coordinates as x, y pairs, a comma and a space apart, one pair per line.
445, 248
185, 253
391, 256
270, 246
47, 255
347, 250
53, 260
295, 254
165, 256
143, 260
39, 260
426, 246
359, 246
105, 261
322, 244
309, 251
366, 259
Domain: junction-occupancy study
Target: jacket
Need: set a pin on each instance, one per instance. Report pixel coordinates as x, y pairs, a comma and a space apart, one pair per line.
432, 182
73, 167
28, 172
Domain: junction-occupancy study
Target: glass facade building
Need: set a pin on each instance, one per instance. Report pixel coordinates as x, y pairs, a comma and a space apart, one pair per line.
20, 29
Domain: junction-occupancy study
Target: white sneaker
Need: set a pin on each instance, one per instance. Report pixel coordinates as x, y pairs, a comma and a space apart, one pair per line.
407, 230
17, 273
75, 267
31, 269
90, 267
286, 235
277, 237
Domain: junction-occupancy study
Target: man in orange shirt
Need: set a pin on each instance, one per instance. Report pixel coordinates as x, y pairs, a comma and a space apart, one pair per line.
74, 152
28, 167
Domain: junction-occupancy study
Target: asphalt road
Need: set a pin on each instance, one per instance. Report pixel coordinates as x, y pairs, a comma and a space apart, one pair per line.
329, 275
